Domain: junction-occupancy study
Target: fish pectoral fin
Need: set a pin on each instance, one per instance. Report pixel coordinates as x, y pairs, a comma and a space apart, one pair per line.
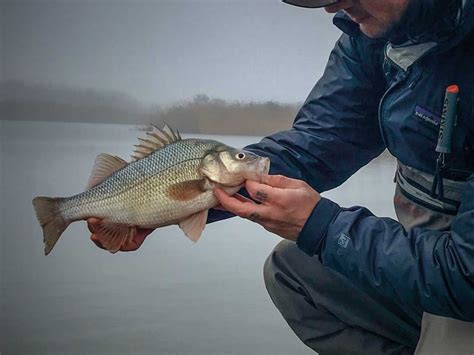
104, 166
207, 184
115, 235
186, 190
194, 225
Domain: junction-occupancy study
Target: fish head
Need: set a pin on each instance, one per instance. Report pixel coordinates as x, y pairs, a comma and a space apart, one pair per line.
231, 167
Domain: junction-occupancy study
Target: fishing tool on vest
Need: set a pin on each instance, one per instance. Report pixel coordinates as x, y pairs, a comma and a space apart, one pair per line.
445, 137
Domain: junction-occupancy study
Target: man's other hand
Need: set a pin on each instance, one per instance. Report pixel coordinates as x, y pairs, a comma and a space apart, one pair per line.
284, 204
134, 244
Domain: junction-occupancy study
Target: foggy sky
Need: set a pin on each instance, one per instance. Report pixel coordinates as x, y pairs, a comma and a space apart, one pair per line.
164, 51
1, 41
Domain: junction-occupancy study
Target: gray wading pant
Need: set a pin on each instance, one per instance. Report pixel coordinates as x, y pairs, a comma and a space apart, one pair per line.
330, 314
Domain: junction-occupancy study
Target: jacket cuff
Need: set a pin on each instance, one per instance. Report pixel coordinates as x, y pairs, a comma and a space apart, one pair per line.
314, 231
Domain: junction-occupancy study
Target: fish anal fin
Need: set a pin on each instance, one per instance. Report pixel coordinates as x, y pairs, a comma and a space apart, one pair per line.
155, 139
186, 190
194, 225
115, 235
104, 166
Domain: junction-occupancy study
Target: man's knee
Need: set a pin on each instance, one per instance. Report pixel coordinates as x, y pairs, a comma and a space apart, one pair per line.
275, 260
285, 262
289, 272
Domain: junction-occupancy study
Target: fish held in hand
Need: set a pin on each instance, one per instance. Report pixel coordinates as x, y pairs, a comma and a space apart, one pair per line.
169, 180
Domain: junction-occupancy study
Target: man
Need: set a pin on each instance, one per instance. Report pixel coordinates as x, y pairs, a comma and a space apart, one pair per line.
348, 282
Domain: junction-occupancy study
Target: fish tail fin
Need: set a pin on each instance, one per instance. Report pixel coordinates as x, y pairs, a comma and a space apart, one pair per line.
49, 216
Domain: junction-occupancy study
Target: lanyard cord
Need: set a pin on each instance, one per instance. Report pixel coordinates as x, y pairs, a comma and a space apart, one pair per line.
445, 138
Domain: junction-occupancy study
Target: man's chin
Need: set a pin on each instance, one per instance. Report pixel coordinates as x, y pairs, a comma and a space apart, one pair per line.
374, 30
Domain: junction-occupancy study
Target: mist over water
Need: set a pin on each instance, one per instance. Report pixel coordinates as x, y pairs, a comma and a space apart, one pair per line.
163, 51
170, 297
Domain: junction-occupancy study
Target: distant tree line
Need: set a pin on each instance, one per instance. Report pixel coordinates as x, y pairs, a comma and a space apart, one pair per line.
201, 114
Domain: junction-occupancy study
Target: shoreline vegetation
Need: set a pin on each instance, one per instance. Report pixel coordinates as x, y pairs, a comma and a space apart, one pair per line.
200, 114
21, 101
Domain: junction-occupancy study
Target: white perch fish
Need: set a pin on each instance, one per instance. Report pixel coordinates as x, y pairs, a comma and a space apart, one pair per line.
169, 181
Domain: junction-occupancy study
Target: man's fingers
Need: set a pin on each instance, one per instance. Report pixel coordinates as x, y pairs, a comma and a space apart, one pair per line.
272, 190
242, 198
241, 208
219, 207
282, 182
230, 203
238, 197
260, 192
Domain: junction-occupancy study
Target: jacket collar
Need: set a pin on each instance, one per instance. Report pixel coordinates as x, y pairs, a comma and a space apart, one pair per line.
346, 25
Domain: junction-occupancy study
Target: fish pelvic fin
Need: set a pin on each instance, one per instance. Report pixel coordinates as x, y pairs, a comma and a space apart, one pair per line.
49, 216
193, 225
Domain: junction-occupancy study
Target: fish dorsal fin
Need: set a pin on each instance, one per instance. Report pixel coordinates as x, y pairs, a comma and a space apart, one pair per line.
156, 139
104, 166
194, 225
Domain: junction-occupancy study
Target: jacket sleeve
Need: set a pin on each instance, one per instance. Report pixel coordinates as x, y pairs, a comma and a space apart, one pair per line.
338, 120
336, 131
427, 270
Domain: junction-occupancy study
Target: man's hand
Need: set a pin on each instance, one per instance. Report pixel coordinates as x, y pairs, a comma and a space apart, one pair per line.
285, 204
135, 243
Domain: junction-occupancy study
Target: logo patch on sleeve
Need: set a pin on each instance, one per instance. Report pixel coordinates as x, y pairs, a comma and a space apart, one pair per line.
343, 240
427, 116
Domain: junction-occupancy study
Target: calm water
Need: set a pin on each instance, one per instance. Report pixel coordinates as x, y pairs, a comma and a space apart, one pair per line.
170, 297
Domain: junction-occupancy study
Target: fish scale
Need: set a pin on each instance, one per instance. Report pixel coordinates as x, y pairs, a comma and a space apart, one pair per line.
144, 182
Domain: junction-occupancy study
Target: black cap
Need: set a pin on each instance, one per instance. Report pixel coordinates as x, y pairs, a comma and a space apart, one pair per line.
312, 4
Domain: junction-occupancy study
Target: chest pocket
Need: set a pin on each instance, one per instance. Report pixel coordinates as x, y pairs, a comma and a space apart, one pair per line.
429, 118
411, 110
411, 119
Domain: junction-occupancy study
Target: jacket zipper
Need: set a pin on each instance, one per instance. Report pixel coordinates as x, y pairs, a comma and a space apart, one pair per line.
400, 79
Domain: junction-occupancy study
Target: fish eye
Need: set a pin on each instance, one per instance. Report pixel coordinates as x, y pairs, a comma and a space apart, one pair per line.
240, 156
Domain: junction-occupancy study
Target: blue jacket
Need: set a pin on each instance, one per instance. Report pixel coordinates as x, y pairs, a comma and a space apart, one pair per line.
364, 103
